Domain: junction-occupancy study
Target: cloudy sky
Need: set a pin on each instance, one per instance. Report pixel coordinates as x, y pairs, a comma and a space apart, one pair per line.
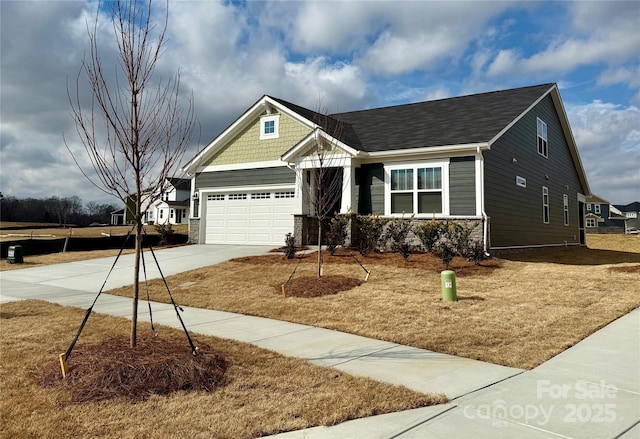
347, 55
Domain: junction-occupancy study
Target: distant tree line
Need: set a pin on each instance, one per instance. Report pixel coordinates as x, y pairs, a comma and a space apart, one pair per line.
63, 211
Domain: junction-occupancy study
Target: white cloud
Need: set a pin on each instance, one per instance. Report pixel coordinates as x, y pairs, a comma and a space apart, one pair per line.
318, 81
621, 75
608, 138
593, 39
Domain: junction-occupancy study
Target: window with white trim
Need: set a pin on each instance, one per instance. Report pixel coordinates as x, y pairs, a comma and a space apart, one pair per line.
215, 197
543, 145
171, 213
260, 195
565, 204
237, 196
269, 127
545, 204
596, 208
591, 222
589, 207
288, 194
417, 189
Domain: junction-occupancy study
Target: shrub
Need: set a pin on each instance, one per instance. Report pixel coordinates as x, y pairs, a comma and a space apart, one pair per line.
475, 252
445, 250
428, 232
166, 233
396, 233
337, 233
289, 246
370, 229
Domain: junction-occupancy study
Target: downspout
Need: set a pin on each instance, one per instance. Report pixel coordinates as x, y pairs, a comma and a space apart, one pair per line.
485, 222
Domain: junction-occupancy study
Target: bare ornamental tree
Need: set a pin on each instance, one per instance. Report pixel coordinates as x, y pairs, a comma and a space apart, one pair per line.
323, 194
135, 130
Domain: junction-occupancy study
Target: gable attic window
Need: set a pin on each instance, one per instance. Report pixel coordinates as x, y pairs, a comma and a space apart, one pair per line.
269, 127
417, 189
543, 146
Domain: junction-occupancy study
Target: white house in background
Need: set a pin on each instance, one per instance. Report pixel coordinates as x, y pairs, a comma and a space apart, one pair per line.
173, 205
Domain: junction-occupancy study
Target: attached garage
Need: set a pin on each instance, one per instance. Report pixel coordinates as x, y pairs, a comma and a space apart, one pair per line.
263, 217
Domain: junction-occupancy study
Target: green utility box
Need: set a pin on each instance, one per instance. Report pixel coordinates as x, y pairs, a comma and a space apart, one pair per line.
448, 279
15, 255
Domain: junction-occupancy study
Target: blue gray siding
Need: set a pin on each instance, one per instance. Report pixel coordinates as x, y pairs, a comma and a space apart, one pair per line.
245, 177
370, 185
462, 186
515, 212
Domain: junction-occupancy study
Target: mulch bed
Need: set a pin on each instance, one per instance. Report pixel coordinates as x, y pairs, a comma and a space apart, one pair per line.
419, 261
156, 366
327, 285
317, 287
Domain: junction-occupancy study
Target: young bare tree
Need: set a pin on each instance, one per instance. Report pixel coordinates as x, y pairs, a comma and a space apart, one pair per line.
135, 130
324, 192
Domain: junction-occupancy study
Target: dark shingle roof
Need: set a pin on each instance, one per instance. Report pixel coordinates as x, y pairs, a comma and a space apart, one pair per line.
631, 207
180, 183
461, 120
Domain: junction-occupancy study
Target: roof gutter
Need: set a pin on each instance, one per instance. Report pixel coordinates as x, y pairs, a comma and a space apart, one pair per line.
469, 147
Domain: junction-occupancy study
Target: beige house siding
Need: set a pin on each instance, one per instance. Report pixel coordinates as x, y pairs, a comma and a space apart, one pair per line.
247, 147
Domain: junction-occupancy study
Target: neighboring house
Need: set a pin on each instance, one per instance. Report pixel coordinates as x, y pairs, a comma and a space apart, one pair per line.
507, 158
602, 217
631, 214
126, 214
173, 205
117, 217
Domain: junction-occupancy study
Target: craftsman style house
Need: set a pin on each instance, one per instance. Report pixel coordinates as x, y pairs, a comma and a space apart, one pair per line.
505, 158
173, 205
169, 207
602, 217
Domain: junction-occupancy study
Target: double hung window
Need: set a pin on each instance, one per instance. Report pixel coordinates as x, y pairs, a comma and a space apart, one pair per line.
543, 145
417, 190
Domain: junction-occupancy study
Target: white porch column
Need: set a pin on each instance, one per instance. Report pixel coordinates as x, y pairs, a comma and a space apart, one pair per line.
298, 208
348, 188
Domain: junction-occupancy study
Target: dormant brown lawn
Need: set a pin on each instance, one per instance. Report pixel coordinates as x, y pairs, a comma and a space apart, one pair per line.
263, 392
518, 312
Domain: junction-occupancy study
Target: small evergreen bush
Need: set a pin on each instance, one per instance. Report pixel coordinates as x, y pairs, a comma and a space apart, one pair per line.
289, 246
337, 233
166, 233
396, 233
428, 232
445, 250
370, 228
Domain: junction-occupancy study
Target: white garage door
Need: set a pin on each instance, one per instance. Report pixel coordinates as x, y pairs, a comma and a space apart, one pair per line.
249, 217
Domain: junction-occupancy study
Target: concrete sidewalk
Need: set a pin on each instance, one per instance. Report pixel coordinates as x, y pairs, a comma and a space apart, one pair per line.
590, 390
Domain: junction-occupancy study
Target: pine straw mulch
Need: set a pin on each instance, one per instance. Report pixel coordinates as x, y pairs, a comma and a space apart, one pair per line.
326, 285
308, 286
157, 366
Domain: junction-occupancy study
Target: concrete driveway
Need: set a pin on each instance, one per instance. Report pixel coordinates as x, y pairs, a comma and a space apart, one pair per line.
89, 275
